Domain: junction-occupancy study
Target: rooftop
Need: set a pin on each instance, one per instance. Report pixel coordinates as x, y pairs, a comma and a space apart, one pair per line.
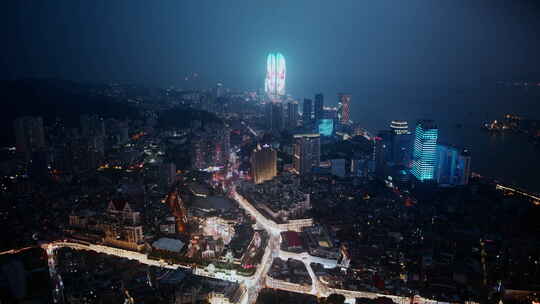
168, 244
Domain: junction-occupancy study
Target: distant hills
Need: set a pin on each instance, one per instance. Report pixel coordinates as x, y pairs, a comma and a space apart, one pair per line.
181, 117
52, 98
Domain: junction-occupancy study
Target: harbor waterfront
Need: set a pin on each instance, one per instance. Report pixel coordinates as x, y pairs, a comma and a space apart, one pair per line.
509, 157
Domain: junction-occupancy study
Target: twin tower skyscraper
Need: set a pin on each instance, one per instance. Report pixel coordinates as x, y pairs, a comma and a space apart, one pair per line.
276, 73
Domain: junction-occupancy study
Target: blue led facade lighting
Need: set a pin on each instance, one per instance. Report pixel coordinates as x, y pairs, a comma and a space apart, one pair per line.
425, 150
326, 127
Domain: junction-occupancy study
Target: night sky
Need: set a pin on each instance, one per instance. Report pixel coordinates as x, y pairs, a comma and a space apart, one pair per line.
330, 46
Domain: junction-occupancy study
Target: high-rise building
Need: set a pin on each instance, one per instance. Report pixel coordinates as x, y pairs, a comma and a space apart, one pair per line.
307, 152
402, 146
29, 134
263, 164
453, 166
446, 164
401, 143
276, 71
292, 115
464, 165
319, 107
307, 110
344, 107
399, 127
275, 121
425, 150
219, 90
383, 153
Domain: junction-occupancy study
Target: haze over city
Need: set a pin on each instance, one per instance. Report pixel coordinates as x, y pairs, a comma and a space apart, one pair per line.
330, 46
374, 152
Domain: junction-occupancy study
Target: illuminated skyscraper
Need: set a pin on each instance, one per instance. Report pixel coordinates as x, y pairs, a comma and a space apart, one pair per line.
344, 106
307, 152
276, 71
319, 107
263, 164
425, 150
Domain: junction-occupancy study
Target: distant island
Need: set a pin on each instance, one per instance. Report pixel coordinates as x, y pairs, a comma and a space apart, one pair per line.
516, 124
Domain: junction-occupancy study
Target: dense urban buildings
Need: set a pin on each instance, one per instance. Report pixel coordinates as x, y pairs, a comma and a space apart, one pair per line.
425, 150
29, 134
209, 194
244, 197
210, 146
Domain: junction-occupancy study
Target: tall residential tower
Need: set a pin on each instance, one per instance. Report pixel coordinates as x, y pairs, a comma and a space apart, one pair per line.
263, 164
307, 152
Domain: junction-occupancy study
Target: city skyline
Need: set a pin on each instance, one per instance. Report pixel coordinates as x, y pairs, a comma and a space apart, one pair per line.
366, 59
270, 152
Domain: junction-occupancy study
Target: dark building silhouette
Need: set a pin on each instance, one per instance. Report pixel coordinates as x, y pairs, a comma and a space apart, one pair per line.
319, 107
307, 110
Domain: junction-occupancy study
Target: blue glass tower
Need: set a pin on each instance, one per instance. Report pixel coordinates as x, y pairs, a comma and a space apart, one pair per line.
425, 150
